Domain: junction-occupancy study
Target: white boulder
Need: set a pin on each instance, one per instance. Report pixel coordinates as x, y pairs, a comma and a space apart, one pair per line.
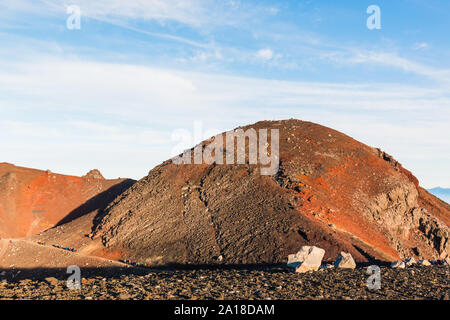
345, 261
398, 264
409, 262
424, 262
309, 258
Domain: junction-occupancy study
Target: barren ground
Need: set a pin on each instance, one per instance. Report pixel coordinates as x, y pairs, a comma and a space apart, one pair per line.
265, 283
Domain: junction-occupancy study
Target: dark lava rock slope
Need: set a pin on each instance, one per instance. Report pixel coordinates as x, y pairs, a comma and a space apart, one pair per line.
330, 191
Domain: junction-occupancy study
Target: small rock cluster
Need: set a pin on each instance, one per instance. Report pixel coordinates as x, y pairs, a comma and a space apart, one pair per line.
401, 264
309, 258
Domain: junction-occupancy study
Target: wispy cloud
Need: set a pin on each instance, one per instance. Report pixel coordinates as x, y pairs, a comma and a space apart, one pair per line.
93, 103
421, 46
200, 15
188, 12
185, 60
195, 13
389, 59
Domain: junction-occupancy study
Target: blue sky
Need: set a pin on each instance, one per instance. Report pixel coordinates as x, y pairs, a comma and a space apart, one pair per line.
112, 94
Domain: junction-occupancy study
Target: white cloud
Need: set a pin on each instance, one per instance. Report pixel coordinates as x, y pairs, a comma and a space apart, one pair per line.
188, 11
104, 109
268, 56
420, 46
265, 54
205, 56
195, 13
392, 60
122, 114
202, 15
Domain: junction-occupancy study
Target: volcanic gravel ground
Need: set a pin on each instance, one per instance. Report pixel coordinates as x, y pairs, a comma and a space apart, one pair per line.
410, 283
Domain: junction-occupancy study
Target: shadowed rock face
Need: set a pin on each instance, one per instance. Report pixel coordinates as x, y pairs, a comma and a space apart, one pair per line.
33, 200
330, 191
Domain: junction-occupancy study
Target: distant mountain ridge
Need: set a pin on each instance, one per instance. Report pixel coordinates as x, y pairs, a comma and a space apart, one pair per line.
442, 193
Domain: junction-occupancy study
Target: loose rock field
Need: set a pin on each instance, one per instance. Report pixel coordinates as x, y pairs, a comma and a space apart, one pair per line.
416, 282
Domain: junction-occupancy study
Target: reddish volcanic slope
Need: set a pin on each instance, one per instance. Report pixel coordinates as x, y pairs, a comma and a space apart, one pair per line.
33, 200
331, 191
23, 254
